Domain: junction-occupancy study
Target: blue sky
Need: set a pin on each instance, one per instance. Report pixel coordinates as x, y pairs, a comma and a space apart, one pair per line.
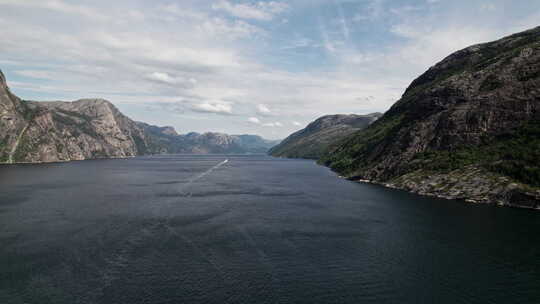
237, 66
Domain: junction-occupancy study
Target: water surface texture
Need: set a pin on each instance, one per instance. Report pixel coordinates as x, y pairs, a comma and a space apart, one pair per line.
250, 229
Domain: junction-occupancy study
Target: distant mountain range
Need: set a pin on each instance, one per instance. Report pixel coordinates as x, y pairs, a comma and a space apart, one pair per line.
94, 128
468, 128
166, 140
312, 141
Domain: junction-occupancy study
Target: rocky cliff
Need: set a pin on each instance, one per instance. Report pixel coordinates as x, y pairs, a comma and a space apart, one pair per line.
312, 141
467, 128
94, 128
13, 119
63, 131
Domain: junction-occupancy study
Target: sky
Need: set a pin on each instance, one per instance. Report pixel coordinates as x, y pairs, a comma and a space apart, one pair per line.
240, 66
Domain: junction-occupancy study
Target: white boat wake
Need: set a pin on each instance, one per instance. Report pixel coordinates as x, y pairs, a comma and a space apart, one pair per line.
199, 176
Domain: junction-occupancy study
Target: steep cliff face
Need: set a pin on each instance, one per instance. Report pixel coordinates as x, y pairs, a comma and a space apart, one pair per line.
312, 141
476, 111
63, 131
13, 120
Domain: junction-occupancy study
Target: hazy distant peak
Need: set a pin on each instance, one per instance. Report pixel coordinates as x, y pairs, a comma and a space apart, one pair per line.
168, 130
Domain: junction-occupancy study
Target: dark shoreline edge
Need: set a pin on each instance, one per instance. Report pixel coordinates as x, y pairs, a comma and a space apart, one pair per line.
428, 194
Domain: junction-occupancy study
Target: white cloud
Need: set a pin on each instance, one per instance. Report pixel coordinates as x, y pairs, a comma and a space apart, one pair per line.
366, 99
372, 11
263, 109
233, 29
272, 124
429, 45
168, 79
254, 120
488, 7
58, 6
408, 31
217, 107
296, 123
38, 74
258, 11
257, 121
182, 12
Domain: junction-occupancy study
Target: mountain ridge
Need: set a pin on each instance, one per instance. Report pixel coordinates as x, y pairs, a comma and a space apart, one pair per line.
208, 142
468, 128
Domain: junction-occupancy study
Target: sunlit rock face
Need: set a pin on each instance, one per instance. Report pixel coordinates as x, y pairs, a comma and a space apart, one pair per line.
63, 131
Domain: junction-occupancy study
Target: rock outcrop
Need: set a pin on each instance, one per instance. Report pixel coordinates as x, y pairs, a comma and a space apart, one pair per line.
468, 128
33, 132
312, 141
62, 131
13, 120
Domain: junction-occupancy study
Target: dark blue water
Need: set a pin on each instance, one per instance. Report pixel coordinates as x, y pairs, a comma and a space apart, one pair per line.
185, 229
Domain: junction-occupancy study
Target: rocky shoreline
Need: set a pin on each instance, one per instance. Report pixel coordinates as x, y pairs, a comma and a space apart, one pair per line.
66, 160
471, 185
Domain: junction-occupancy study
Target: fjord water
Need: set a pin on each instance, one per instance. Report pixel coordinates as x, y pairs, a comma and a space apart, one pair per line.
253, 229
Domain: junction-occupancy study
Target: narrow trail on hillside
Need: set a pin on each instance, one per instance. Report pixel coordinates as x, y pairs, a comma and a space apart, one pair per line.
14, 149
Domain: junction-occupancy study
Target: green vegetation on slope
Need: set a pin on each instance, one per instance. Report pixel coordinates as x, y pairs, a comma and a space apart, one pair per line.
26, 147
516, 155
345, 158
4, 149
